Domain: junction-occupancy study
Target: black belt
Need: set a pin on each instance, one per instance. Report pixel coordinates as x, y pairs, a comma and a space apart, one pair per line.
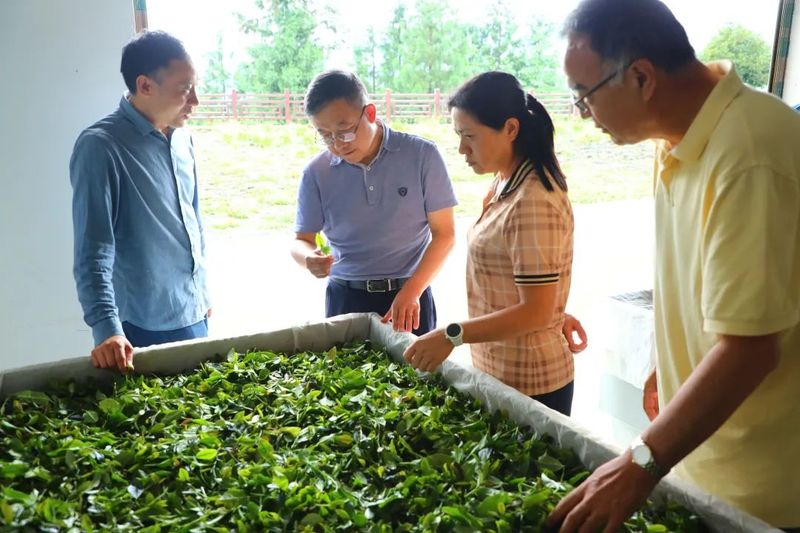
373, 285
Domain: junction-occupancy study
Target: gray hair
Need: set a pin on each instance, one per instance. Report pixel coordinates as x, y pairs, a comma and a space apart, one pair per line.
621, 31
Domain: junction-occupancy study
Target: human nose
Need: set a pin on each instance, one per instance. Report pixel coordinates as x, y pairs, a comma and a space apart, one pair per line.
337, 142
193, 97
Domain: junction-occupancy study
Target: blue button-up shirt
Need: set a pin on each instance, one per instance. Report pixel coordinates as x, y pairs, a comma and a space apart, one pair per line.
139, 241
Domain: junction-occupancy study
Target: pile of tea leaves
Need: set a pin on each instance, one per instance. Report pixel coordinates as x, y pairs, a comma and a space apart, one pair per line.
341, 440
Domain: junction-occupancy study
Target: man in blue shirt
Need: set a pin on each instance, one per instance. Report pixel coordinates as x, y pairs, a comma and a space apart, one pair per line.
139, 257
385, 203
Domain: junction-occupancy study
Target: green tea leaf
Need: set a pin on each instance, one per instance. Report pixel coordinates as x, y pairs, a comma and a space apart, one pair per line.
15, 495
322, 244
36, 397
7, 511
550, 463
12, 469
109, 406
206, 454
492, 505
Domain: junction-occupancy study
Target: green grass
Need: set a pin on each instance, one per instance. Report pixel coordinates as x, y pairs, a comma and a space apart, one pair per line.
249, 173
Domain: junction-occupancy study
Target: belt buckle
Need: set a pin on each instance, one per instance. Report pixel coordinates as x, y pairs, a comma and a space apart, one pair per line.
383, 285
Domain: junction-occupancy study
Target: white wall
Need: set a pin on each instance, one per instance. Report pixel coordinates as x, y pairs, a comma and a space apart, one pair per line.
791, 83
59, 72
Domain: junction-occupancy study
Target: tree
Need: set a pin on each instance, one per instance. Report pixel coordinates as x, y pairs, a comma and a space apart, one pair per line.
497, 43
287, 56
749, 53
367, 61
528, 52
539, 66
216, 78
436, 50
392, 49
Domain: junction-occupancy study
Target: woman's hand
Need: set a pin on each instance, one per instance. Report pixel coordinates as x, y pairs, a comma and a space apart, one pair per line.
429, 351
571, 327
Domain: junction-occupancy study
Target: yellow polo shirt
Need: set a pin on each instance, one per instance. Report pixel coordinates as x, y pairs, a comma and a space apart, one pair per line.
728, 262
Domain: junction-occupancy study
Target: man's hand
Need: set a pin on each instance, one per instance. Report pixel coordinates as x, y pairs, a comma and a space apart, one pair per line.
650, 397
404, 312
429, 351
208, 313
319, 264
605, 500
114, 352
571, 327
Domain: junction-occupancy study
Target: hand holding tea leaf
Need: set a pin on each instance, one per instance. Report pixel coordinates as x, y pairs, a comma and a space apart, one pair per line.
429, 351
114, 352
606, 499
319, 264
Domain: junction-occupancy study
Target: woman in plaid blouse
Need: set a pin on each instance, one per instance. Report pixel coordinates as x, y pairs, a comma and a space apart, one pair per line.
520, 249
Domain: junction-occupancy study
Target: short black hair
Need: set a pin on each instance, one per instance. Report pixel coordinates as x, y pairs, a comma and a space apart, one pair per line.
334, 85
146, 53
621, 31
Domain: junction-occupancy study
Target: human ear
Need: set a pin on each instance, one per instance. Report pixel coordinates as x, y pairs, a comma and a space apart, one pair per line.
144, 85
644, 73
371, 112
511, 128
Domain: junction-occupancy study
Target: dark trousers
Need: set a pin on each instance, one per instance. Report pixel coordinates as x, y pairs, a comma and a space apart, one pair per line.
340, 300
139, 337
559, 400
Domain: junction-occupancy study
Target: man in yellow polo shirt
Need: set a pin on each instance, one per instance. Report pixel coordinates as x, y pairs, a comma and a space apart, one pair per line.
727, 290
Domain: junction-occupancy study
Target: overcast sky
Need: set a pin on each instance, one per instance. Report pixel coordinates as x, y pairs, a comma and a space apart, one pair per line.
197, 22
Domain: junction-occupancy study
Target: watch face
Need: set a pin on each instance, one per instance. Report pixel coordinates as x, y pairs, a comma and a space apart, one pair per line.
453, 330
641, 455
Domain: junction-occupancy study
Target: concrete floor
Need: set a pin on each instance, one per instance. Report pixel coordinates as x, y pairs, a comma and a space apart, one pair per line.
257, 287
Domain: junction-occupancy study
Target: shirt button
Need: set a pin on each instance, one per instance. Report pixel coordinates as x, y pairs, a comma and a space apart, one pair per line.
372, 187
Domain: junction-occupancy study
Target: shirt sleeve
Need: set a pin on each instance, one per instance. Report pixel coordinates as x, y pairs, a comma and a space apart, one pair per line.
538, 236
750, 242
196, 207
196, 201
437, 188
95, 185
310, 218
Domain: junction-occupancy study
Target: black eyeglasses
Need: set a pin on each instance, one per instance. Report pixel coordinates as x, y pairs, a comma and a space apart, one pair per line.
580, 102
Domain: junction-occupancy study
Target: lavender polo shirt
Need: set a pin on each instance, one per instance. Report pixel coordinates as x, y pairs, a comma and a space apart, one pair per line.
375, 216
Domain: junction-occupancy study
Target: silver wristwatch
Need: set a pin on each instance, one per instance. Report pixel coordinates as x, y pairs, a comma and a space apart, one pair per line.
642, 455
454, 333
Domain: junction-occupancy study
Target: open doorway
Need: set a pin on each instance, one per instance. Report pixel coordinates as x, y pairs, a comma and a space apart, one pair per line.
255, 59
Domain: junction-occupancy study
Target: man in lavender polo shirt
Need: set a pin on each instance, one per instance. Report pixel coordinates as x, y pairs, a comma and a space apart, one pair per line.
385, 203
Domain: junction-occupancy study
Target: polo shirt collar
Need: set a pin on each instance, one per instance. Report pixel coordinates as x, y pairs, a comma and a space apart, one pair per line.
141, 123
516, 179
389, 143
694, 142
